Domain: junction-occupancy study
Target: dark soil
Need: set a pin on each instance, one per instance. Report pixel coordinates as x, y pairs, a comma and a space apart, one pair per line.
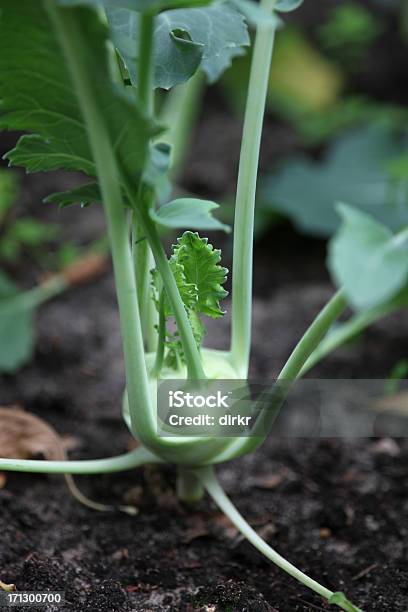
338, 510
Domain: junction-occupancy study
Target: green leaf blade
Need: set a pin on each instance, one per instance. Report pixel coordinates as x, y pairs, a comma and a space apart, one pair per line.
38, 95
367, 260
35, 154
16, 340
34, 87
201, 265
185, 40
85, 195
16, 328
355, 170
196, 268
191, 213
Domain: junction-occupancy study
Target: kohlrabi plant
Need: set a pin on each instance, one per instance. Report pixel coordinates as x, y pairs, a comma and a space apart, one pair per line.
79, 77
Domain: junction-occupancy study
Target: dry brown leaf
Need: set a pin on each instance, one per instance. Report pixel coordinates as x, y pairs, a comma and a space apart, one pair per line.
9, 588
25, 436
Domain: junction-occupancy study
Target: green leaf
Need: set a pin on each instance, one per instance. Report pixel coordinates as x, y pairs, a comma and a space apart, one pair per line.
367, 259
355, 171
16, 328
38, 95
188, 291
86, 194
201, 267
188, 213
285, 6
35, 154
185, 40
341, 600
176, 56
199, 278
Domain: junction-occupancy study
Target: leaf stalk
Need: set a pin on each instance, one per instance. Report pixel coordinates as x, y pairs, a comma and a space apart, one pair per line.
70, 37
121, 463
246, 193
210, 482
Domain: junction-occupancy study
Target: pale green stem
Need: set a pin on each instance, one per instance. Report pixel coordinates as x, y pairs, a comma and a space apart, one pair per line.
181, 109
152, 319
290, 372
313, 336
161, 337
210, 482
140, 249
346, 332
145, 98
70, 38
246, 194
121, 463
189, 488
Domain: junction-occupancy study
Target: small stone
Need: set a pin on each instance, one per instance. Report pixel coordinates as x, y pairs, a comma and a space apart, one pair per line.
386, 446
